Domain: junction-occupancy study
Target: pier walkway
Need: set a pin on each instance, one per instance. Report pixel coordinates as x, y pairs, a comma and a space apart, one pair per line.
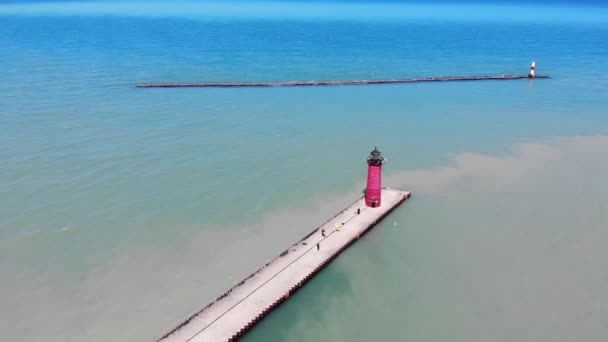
239, 309
334, 83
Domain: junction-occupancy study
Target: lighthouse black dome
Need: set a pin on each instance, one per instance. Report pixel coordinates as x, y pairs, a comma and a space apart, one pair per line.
375, 157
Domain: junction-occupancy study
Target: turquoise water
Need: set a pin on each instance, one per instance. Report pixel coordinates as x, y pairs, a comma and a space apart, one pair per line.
123, 210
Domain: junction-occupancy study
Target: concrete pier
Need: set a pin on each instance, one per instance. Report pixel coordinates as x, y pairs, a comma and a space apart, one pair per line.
238, 310
333, 83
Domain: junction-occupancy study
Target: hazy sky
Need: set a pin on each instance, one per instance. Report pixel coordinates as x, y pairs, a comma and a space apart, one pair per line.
597, 2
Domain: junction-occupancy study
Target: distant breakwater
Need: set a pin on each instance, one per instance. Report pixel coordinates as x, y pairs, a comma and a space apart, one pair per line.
333, 83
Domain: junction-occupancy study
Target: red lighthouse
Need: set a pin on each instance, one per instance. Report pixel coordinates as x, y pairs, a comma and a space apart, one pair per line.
374, 179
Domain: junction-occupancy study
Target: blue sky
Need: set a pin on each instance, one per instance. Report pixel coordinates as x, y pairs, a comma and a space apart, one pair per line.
572, 2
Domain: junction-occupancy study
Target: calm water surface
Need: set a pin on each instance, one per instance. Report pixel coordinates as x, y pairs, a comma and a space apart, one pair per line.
124, 210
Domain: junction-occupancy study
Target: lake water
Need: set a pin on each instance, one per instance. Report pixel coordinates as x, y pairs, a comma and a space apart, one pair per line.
124, 210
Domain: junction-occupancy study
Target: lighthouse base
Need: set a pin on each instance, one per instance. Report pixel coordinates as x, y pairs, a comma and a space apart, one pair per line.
241, 307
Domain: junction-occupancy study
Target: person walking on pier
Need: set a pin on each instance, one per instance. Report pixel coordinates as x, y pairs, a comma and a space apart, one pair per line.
358, 211
318, 247
323, 232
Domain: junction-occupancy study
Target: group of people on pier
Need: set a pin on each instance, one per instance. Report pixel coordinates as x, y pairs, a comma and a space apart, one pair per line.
337, 229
